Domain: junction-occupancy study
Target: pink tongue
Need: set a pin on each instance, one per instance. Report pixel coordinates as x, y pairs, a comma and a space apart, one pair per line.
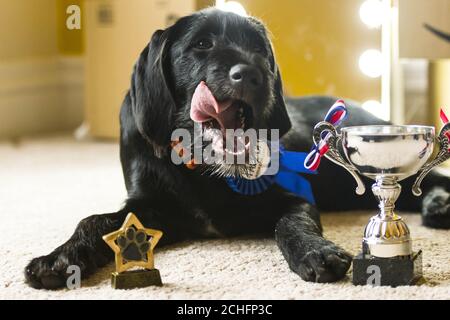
204, 107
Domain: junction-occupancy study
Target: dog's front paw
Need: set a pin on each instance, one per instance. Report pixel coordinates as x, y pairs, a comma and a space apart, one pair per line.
436, 209
328, 263
41, 273
51, 271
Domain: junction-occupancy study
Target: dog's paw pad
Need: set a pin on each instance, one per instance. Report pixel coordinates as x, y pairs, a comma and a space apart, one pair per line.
133, 244
327, 264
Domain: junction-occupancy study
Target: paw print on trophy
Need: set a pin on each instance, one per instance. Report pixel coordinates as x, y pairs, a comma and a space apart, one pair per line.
133, 246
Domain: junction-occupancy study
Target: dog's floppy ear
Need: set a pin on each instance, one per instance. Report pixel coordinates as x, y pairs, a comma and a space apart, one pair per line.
278, 117
152, 102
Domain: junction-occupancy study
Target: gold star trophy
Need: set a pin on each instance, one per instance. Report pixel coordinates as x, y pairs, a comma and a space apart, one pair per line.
133, 246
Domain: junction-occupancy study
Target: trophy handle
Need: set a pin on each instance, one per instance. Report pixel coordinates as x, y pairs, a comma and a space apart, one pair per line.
443, 155
333, 139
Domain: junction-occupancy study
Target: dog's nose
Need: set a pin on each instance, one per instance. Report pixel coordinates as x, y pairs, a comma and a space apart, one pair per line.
245, 75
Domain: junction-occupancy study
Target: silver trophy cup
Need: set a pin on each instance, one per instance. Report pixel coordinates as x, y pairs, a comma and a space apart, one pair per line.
387, 154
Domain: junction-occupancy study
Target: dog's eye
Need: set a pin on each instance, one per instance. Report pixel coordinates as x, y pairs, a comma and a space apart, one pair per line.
259, 49
203, 44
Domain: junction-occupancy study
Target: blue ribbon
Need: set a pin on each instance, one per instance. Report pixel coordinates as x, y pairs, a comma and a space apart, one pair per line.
288, 177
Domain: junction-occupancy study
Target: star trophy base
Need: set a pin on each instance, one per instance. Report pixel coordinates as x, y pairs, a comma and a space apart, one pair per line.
136, 279
398, 271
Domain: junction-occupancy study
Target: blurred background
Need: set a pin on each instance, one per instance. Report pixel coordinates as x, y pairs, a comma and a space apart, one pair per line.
65, 65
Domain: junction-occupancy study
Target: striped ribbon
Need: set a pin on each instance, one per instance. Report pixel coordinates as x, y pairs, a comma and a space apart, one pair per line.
445, 121
336, 114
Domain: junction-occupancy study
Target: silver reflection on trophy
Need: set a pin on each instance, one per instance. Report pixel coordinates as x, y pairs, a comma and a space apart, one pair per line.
387, 154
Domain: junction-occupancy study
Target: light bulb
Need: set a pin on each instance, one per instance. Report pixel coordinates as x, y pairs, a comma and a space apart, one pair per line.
371, 63
371, 13
377, 109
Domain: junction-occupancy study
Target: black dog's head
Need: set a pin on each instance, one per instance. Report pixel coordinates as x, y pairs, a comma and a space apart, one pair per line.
213, 67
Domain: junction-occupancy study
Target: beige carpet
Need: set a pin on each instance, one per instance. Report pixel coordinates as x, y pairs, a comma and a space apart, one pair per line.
48, 185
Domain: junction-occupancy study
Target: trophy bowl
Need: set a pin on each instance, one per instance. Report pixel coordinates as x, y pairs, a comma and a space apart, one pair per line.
386, 154
390, 151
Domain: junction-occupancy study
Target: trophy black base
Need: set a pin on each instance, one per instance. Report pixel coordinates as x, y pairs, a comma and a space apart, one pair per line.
136, 279
398, 271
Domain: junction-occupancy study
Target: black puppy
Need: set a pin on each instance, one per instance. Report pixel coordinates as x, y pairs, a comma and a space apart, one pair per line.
228, 61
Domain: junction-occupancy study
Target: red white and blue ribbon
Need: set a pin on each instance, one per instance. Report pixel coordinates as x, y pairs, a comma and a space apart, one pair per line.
445, 121
336, 114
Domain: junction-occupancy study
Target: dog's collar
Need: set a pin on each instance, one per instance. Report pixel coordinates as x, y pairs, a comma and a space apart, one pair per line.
180, 150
